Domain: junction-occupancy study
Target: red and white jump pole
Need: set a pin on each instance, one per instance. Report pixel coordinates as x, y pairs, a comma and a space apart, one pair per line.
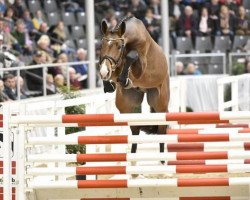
207, 131
231, 168
135, 119
131, 183
111, 157
125, 139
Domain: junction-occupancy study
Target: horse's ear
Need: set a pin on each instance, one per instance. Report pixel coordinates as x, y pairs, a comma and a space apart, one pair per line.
104, 27
122, 29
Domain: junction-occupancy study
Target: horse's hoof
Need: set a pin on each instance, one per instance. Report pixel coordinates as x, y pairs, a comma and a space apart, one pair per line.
163, 162
133, 163
134, 175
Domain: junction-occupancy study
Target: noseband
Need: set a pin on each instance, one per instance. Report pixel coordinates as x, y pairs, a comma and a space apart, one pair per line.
111, 59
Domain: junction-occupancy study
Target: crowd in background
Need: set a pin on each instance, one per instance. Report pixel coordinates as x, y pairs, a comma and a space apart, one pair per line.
27, 39
187, 17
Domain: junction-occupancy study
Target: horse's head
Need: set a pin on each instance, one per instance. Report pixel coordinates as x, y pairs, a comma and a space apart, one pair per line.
112, 49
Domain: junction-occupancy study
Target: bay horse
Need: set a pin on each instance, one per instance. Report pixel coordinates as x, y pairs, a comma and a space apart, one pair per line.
133, 64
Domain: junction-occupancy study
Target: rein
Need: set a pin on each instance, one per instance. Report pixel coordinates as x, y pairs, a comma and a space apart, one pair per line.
114, 62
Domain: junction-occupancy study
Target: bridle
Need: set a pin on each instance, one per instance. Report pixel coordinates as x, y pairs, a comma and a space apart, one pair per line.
114, 63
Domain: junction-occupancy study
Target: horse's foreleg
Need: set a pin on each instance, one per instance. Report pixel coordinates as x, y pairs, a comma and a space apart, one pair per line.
135, 131
131, 58
126, 102
159, 102
162, 131
109, 86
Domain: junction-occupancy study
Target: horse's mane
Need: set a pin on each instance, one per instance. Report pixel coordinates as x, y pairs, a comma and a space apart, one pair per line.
124, 19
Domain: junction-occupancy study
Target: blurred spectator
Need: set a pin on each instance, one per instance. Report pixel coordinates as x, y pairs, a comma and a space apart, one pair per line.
196, 4
242, 23
2, 27
34, 77
137, 8
73, 77
1, 43
101, 8
176, 9
151, 24
109, 15
187, 24
10, 86
54, 71
226, 23
59, 80
63, 58
18, 8
3, 6
192, 70
38, 19
3, 96
113, 22
50, 85
179, 68
9, 19
58, 37
22, 37
23, 92
238, 2
82, 69
43, 44
70, 6
213, 10
7, 58
156, 6
58, 33
28, 22
8, 39
43, 30
120, 5
205, 23
232, 6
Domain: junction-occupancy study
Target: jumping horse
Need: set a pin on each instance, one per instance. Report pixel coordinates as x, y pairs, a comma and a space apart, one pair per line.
133, 64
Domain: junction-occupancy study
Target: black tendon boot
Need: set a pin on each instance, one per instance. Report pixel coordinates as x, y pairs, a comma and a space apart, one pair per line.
109, 86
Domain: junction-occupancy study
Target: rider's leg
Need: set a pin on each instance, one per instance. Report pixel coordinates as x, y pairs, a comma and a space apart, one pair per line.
131, 57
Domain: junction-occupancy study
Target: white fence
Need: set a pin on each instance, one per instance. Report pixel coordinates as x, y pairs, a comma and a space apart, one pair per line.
238, 87
96, 101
